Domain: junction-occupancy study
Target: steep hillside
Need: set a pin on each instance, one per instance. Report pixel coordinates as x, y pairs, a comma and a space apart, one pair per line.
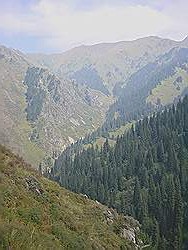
150, 89
145, 174
109, 63
36, 213
156, 84
14, 128
40, 113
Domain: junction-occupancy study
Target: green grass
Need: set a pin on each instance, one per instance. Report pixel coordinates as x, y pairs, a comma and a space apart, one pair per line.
14, 126
30, 150
121, 130
112, 136
36, 213
166, 91
99, 142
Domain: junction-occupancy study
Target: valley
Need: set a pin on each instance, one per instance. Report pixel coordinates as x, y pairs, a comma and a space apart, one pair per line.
101, 134
143, 174
60, 98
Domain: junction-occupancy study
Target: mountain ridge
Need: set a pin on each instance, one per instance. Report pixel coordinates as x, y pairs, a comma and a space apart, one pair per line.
88, 82
114, 62
110, 44
16, 130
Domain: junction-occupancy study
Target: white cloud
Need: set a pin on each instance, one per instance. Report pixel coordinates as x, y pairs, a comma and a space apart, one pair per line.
60, 26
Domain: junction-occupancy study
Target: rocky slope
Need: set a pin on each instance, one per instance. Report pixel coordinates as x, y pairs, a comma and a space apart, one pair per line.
60, 112
41, 113
36, 213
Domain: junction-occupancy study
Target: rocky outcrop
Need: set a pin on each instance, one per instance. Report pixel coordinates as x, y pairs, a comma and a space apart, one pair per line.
131, 230
34, 185
128, 227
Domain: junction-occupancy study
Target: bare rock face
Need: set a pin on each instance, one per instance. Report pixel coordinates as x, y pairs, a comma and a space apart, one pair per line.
129, 234
110, 215
128, 227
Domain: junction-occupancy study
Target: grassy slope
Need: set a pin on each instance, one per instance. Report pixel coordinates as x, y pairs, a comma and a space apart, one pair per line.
120, 131
36, 213
112, 136
14, 128
168, 89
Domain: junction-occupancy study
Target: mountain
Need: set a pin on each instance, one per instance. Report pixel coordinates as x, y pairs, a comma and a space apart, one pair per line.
108, 63
40, 113
131, 96
60, 112
50, 101
36, 213
155, 85
145, 174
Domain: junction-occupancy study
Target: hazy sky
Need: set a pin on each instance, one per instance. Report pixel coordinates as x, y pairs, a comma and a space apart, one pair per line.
57, 25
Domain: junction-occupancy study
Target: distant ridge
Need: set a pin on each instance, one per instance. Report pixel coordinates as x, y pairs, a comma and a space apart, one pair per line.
84, 82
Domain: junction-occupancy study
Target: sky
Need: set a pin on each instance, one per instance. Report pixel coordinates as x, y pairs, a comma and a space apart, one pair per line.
49, 26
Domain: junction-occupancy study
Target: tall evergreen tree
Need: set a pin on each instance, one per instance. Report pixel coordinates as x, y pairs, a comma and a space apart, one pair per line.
145, 174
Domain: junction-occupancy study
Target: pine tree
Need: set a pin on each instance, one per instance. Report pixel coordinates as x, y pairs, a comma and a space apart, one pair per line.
145, 174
